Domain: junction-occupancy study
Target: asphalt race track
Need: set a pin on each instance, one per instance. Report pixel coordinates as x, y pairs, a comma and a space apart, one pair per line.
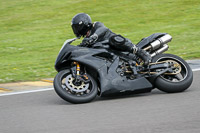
155, 112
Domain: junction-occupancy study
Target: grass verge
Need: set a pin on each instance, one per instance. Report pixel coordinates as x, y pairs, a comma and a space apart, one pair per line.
32, 32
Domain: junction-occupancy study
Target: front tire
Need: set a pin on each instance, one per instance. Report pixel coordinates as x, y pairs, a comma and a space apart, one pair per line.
85, 93
174, 83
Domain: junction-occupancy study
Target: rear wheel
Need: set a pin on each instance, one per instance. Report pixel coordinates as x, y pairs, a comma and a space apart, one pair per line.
66, 88
179, 79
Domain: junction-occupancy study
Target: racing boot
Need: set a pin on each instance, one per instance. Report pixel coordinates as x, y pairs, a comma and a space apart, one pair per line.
142, 54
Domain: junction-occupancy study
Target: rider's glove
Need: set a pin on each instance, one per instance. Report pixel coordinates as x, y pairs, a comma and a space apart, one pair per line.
91, 40
142, 54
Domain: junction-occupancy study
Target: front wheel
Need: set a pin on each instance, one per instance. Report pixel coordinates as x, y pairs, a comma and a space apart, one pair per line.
179, 80
67, 90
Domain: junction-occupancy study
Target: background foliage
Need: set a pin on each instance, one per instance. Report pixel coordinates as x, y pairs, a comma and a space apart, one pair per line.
33, 31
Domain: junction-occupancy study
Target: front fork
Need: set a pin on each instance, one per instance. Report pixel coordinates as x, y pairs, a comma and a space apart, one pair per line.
78, 75
77, 68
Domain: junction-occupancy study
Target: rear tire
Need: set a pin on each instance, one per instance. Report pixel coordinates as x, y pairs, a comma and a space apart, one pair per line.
71, 96
174, 83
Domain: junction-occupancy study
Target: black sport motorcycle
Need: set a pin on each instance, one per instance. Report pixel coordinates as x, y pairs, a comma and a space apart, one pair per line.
84, 73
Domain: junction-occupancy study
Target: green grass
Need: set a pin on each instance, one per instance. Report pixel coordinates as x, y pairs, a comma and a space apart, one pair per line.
32, 32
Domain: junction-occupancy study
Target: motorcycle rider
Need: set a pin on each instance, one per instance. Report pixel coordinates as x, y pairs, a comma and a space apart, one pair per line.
96, 32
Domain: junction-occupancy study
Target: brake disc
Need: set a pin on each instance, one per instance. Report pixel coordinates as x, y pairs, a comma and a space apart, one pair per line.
70, 85
176, 67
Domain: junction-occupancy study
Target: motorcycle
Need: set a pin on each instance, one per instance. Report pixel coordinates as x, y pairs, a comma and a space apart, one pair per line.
85, 72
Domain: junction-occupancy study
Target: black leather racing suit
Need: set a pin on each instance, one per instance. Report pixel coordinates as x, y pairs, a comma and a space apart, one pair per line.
103, 33
100, 33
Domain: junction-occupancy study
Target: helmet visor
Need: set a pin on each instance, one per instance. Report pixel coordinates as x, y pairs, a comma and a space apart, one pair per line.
80, 29
76, 29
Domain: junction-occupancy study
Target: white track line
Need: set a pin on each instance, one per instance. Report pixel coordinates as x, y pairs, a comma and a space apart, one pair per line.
25, 92
197, 69
48, 89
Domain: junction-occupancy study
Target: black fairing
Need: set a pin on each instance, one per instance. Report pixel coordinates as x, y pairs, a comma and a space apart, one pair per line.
64, 55
103, 63
145, 41
112, 83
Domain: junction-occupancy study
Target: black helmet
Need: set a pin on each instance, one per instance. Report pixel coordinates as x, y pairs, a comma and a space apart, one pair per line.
81, 24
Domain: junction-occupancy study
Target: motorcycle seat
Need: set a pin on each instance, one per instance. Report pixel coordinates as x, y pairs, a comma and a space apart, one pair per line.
149, 39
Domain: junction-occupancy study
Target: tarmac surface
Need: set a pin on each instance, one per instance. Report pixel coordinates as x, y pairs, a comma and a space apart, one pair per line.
43, 111
155, 112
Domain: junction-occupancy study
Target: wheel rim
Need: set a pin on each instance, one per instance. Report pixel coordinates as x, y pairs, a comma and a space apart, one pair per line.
68, 85
179, 68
